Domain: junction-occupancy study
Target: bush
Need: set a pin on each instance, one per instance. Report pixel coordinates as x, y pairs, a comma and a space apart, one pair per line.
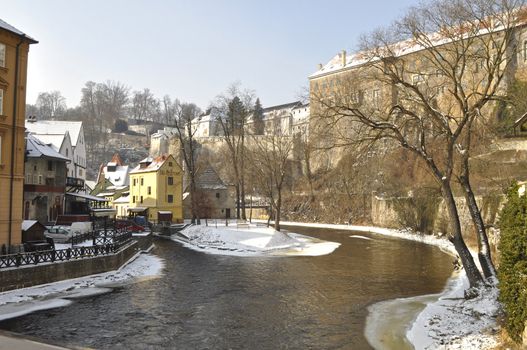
512, 272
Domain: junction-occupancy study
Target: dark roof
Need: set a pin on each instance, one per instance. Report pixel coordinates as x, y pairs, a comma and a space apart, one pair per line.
286, 105
209, 179
10, 28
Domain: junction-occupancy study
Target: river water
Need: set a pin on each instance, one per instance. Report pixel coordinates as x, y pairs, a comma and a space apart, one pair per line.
220, 302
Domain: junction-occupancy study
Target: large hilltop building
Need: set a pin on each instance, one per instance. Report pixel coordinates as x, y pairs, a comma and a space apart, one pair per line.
14, 49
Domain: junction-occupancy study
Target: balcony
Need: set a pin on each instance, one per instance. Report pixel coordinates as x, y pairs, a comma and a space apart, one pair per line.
74, 182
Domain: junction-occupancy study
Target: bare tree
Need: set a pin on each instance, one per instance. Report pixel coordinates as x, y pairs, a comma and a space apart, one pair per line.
269, 158
231, 111
186, 115
145, 106
426, 83
51, 104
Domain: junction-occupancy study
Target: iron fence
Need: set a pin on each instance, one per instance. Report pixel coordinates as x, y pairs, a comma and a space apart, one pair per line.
110, 245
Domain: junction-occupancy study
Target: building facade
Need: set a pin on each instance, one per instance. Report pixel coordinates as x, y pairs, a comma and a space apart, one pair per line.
54, 131
45, 181
156, 189
14, 50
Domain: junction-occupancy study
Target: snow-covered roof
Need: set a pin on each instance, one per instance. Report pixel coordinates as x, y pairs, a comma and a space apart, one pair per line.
35, 148
343, 61
56, 127
122, 199
6, 26
282, 106
27, 224
119, 177
91, 184
54, 140
151, 164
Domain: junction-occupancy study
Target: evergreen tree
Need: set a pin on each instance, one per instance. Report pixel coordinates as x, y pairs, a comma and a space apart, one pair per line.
512, 271
258, 116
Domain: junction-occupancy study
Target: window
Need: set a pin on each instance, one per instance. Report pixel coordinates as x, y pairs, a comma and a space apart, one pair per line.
169, 163
28, 179
375, 97
149, 190
133, 199
134, 182
170, 198
525, 50
142, 182
50, 165
217, 195
170, 180
2, 55
1, 102
67, 153
141, 199
40, 179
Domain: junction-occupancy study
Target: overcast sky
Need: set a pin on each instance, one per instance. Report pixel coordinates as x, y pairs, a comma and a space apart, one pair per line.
191, 50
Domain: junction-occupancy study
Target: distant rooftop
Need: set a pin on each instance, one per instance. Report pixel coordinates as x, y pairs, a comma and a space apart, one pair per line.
283, 106
55, 127
10, 28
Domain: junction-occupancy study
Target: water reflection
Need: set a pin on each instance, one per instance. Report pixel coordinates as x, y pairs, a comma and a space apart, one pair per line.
217, 302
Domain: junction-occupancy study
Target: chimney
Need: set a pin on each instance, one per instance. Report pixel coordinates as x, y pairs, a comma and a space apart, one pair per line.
343, 58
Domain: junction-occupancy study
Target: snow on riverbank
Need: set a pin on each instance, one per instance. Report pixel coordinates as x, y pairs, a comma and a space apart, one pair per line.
444, 321
19, 302
251, 241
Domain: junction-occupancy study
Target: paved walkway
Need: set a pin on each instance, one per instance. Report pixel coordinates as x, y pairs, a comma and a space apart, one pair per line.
15, 342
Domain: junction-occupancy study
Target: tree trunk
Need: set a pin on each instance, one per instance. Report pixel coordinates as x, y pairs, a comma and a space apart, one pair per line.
277, 213
484, 252
237, 201
473, 274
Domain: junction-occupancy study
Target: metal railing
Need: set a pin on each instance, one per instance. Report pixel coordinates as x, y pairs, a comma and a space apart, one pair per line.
49, 256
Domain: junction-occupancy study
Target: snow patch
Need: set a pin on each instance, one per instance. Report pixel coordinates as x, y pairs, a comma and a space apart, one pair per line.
251, 241
22, 301
361, 237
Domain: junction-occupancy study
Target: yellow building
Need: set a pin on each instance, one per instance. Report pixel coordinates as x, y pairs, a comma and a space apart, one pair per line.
156, 189
14, 49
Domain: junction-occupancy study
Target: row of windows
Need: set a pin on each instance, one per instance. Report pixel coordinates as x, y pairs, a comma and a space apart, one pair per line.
139, 199
170, 181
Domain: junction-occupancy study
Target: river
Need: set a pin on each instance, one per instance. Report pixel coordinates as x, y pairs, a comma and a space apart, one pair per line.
221, 302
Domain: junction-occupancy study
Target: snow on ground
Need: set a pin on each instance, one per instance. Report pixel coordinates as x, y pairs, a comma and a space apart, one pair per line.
447, 320
26, 300
453, 322
251, 241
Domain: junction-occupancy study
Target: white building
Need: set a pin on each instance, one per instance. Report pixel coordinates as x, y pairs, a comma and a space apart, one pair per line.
51, 129
301, 121
205, 126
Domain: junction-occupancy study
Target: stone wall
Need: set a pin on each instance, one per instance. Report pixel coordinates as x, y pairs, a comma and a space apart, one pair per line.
384, 214
27, 276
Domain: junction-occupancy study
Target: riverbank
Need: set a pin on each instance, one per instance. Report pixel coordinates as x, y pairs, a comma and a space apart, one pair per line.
23, 301
440, 321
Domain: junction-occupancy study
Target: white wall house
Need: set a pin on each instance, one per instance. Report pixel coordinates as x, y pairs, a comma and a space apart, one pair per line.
76, 133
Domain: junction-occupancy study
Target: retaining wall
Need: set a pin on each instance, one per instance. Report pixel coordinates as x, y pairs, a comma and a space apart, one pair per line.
27, 276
